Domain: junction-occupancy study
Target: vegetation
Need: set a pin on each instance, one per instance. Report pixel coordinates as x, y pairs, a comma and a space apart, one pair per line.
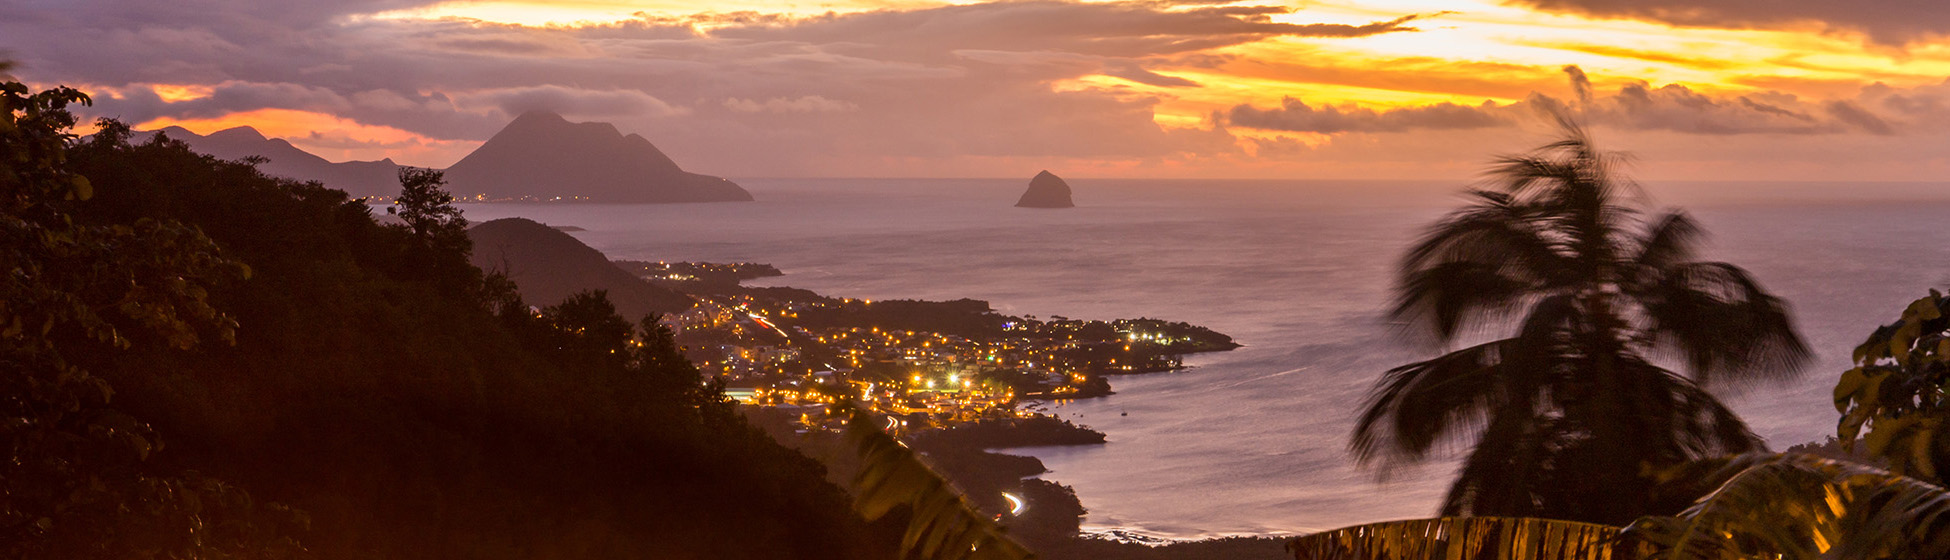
1802, 507
1826, 500
1896, 391
397, 402
1780, 506
943, 524
1503, 538
379, 397
1570, 409
80, 479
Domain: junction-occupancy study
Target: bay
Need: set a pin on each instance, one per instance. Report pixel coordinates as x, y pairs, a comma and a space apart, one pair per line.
1253, 441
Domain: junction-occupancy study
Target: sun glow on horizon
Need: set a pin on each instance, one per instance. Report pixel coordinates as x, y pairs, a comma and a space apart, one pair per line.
1469, 53
1477, 54
330, 137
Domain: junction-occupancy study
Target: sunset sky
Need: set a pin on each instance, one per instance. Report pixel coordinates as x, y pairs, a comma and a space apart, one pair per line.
1411, 89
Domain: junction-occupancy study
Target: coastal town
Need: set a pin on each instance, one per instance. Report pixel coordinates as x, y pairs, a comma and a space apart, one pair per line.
921, 364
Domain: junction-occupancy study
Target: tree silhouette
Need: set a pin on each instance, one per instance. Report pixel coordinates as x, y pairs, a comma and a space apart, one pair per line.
1570, 409
414, 411
440, 245
429, 210
76, 480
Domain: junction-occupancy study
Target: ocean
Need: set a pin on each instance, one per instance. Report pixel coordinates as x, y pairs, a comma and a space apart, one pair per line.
1253, 441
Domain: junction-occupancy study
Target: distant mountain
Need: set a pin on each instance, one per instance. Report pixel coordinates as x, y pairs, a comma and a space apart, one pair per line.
548, 266
1046, 190
538, 156
357, 178
542, 155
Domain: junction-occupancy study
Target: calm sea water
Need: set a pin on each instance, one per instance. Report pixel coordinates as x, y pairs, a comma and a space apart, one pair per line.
1253, 441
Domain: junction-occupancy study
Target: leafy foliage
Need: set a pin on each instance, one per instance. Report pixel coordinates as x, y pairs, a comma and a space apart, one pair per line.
416, 408
78, 479
439, 232
1502, 538
1896, 391
1571, 408
1802, 507
943, 524
429, 210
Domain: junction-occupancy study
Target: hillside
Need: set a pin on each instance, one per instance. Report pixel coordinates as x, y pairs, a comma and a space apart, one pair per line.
401, 404
539, 156
549, 265
543, 156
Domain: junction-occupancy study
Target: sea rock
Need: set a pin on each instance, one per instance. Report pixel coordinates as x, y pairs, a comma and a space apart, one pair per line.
1046, 191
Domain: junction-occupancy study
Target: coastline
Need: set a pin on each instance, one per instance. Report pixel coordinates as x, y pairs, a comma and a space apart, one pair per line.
960, 382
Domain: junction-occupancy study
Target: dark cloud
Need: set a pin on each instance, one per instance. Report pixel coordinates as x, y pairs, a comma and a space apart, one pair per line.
805, 104
1887, 22
1635, 54
846, 94
1122, 29
1137, 73
1854, 115
938, 83
1677, 108
319, 140
569, 101
1294, 115
433, 114
1635, 106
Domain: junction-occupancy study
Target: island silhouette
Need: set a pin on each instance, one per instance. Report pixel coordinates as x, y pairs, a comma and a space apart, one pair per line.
1046, 190
540, 156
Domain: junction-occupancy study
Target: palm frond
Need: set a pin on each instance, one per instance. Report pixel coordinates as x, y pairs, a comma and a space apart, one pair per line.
1804, 507
1527, 176
1418, 405
944, 524
1504, 538
1701, 426
1446, 298
1668, 242
1475, 265
1726, 327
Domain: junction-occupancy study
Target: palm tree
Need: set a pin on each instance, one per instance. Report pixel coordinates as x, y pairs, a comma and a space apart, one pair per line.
1572, 407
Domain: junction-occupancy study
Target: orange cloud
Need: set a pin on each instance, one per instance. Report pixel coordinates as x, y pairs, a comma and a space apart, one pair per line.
331, 137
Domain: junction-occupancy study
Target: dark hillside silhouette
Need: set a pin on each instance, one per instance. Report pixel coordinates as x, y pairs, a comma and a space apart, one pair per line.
550, 265
413, 407
541, 156
357, 178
